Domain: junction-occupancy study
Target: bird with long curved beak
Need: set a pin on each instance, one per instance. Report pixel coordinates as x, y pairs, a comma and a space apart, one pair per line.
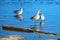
37, 16
19, 12
42, 17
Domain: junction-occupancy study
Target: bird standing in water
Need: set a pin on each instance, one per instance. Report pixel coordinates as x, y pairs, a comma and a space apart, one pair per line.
19, 12
37, 16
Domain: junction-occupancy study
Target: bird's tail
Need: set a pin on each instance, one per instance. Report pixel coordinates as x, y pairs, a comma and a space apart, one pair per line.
31, 18
15, 11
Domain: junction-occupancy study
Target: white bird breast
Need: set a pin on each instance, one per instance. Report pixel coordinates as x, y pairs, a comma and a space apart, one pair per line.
38, 17
42, 17
21, 11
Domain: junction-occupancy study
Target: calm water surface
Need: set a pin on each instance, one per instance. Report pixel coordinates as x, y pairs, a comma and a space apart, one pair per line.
51, 10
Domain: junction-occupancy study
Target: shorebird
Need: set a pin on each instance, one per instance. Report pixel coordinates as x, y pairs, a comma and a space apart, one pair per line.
37, 16
19, 12
42, 17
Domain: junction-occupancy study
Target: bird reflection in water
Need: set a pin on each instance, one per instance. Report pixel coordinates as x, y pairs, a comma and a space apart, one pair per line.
19, 17
41, 24
35, 28
19, 12
29, 30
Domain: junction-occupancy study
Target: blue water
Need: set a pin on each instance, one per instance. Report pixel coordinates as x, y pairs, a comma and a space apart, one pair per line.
51, 10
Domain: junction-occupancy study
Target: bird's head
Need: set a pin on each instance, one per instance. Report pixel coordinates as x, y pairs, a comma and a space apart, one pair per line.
21, 8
